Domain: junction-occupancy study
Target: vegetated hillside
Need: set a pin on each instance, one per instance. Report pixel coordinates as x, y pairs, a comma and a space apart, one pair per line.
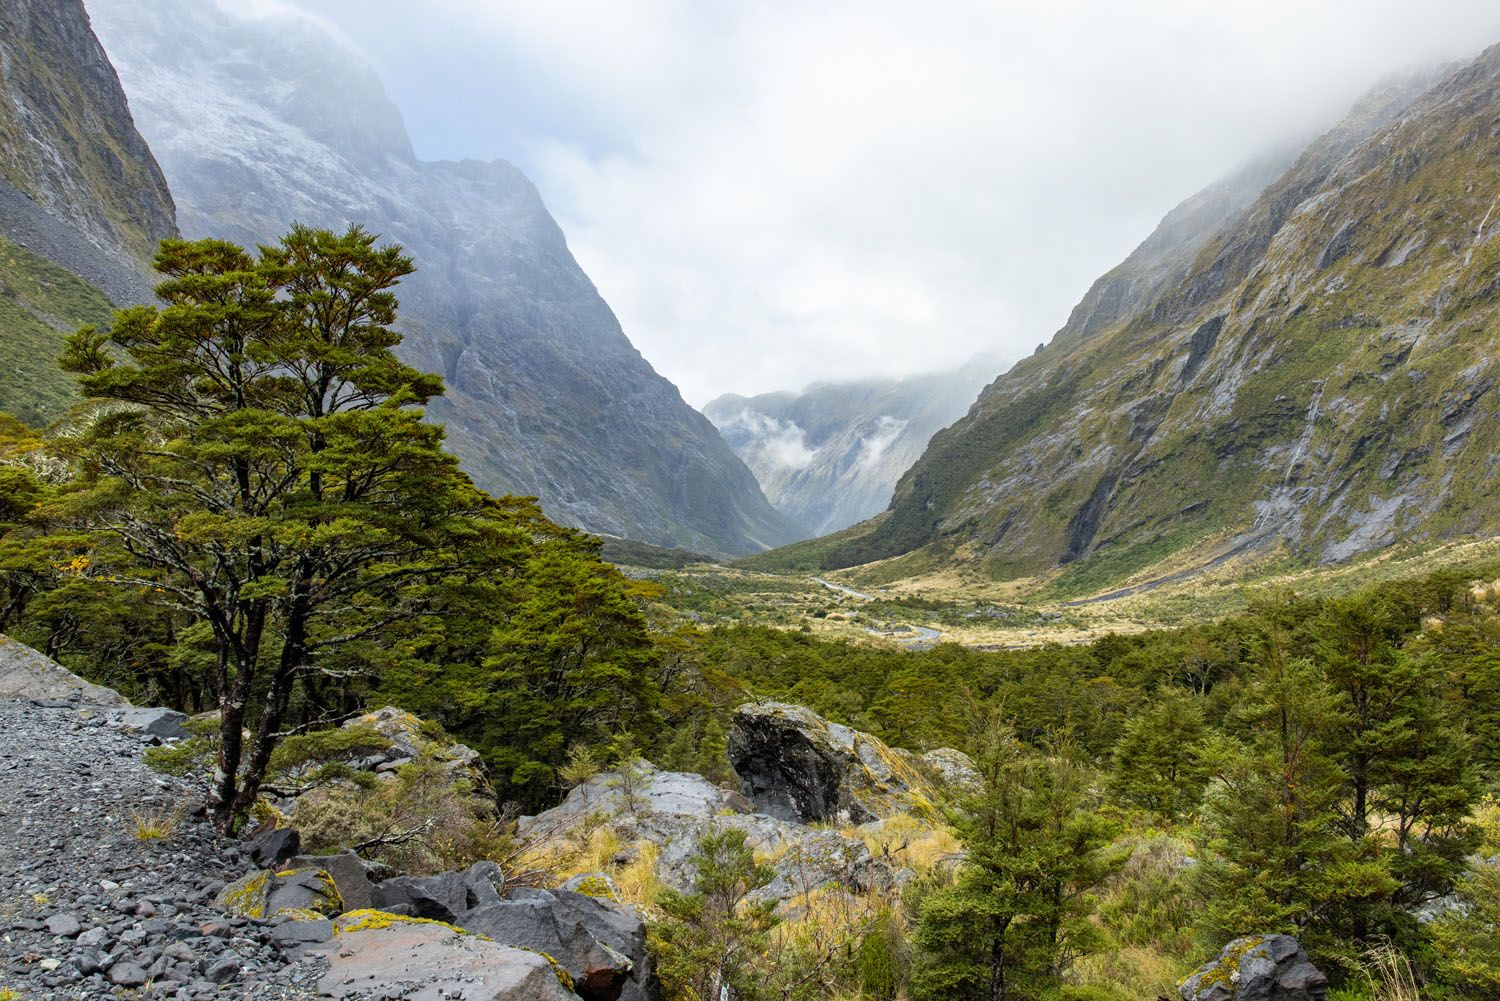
263, 121
830, 455
1318, 370
82, 201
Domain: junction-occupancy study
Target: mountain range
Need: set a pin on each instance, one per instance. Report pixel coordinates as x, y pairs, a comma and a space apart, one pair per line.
830, 455
1303, 356
82, 200
261, 120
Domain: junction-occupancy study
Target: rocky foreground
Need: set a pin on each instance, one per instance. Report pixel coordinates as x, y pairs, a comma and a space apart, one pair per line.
106, 883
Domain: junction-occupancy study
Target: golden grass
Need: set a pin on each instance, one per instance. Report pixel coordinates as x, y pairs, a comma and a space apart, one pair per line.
636, 879
905, 840
1139, 970
153, 826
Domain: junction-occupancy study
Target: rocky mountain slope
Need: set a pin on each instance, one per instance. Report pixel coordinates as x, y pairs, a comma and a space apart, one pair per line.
1315, 368
262, 121
82, 201
830, 455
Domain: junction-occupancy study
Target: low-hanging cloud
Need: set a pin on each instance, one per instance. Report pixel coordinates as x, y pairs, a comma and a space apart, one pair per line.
774, 193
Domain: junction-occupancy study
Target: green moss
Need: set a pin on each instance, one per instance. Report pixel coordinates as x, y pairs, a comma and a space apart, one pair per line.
562, 975
1228, 964
596, 886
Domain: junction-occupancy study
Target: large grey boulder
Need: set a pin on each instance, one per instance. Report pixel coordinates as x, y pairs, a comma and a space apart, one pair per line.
354, 877
795, 765
377, 956
1257, 968
601, 945
444, 897
157, 722
27, 674
673, 810
302, 893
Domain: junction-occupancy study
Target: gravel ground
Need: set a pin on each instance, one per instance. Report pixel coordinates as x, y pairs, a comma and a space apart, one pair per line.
88, 908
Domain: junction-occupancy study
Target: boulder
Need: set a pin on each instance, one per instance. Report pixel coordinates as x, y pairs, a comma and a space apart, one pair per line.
673, 810
444, 897
407, 743
163, 724
384, 955
27, 674
299, 893
795, 765
270, 849
601, 945
353, 877
823, 858
1257, 968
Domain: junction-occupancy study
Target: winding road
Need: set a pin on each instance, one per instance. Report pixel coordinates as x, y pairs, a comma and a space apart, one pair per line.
926, 635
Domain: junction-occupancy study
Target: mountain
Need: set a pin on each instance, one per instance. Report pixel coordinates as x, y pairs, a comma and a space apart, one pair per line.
830, 455
260, 121
1313, 366
82, 201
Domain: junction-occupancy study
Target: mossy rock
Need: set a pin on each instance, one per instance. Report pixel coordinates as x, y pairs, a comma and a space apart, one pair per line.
305, 894
370, 919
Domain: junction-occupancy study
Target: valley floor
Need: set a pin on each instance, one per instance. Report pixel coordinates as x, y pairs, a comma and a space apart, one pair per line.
959, 603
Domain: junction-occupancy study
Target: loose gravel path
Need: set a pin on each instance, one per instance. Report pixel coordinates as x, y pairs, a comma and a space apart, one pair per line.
89, 908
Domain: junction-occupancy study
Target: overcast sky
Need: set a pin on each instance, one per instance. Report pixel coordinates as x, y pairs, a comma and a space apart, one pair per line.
771, 193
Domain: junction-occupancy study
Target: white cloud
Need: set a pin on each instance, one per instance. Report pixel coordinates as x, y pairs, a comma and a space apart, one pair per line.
873, 446
782, 443
778, 192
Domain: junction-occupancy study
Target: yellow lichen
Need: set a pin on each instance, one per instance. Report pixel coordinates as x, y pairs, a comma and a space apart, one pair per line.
370, 919
248, 897
1228, 964
563, 976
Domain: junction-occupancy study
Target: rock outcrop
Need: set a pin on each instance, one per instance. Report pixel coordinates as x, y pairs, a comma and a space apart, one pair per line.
1257, 968
797, 766
382, 956
27, 674
796, 769
671, 811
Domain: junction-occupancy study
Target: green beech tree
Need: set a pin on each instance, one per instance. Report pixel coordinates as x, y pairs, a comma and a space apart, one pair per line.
711, 940
1159, 761
1016, 914
257, 455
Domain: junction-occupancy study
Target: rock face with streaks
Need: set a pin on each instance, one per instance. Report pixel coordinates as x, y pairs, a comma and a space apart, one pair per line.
261, 118
82, 201
27, 674
1305, 354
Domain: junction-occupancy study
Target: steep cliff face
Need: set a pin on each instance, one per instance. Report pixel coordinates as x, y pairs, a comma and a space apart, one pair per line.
260, 122
67, 140
1318, 369
830, 455
82, 202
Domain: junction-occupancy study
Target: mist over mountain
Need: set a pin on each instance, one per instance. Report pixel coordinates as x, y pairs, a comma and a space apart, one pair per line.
260, 122
829, 456
1311, 365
